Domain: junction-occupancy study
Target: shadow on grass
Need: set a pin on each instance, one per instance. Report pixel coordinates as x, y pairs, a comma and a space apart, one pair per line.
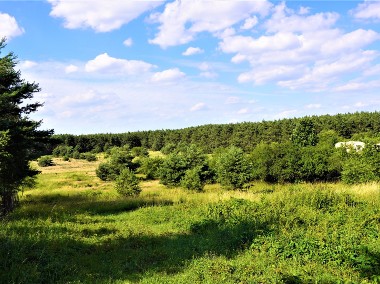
57, 204
64, 259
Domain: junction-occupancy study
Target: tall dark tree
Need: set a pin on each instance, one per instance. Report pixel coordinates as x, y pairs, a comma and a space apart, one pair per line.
20, 137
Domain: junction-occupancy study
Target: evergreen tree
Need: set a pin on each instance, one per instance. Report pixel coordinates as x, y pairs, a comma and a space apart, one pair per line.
20, 137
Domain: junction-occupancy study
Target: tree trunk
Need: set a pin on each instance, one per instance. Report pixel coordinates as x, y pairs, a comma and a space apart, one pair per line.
8, 202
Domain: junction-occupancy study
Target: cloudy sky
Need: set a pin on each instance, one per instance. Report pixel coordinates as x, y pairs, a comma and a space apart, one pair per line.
120, 65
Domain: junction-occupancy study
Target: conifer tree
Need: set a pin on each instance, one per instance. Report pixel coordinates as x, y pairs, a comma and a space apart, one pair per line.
20, 137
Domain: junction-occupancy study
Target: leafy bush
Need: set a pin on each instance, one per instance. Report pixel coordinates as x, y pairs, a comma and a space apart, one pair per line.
106, 172
150, 167
139, 152
355, 170
66, 159
127, 184
45, 161
175, 165
192, 179
90, 157
233, 168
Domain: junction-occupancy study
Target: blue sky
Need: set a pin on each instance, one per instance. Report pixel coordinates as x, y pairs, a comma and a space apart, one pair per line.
116, 66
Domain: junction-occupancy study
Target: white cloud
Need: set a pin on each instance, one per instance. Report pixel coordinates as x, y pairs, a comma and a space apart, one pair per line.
27, 64
243, 111
286, 20
99, 15
168, 75
192, 51
9, 27
71, 68
313, 106
367, 10
198, 107
249, 23
181, 21
299, 50
108, 64
128, 42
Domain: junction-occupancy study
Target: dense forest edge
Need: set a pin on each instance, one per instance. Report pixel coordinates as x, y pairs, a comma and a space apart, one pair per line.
245, 135
287, 150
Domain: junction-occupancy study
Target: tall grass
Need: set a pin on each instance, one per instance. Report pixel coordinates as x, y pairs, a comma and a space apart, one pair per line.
74, 228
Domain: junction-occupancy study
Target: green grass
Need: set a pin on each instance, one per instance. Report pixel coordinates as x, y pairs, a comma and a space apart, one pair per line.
74, 228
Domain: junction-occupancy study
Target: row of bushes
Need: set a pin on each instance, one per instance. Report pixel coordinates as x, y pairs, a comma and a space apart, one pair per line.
189, 167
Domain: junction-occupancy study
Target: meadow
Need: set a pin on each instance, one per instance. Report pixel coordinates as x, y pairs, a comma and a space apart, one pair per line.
74, 228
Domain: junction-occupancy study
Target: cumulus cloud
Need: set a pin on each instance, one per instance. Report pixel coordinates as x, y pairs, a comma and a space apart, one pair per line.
108, 64
250, 23
192, 51
369, 10
181, 21
99, 15
128, 42
299, 50
168, 75
9, 27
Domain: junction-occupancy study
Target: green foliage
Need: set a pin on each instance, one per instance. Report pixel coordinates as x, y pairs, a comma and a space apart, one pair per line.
150, 167
233, 168
90, 157
169, 148
120, 158
45, 161
193, 179
304, 134
20, 139
175, 165
127, 184
139, 152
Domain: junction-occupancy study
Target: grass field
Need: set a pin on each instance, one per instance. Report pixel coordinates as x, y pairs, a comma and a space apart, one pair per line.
74, 228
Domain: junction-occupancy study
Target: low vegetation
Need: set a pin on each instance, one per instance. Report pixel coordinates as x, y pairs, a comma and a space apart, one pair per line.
75, 228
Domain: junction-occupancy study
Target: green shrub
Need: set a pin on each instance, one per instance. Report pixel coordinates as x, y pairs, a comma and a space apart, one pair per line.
65, 158
192, 179
106, 172
233, 168
45, 161
90, 157
139, 152
355, 170
150, 167
127, 184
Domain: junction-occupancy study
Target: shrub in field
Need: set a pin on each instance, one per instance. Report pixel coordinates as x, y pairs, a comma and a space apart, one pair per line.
355, 170
150, 167
106, 172
127, 184
66, 159
233, 168
120, 158
45, 161
139, 152
175, 165
193, 179
90, 157
62, 150
168, 148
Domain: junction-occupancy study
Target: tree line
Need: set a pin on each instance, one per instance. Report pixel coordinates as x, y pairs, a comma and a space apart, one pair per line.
246, 135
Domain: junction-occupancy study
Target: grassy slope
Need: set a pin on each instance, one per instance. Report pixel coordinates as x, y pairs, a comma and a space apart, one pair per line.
73, 228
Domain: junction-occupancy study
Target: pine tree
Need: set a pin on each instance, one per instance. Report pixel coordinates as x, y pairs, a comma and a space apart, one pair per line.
20, 139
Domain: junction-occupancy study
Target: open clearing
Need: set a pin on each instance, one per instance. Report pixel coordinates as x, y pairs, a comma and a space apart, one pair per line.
74, 228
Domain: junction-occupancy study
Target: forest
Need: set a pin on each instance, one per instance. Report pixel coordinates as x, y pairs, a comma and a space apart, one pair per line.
287, 150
